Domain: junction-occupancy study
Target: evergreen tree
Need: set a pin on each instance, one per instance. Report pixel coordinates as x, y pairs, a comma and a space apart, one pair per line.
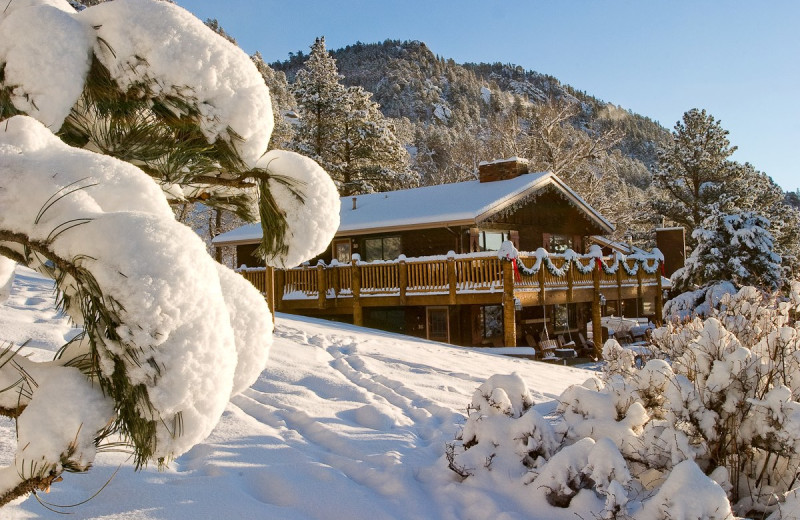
694, 172
283, 103
732, 247
344, 131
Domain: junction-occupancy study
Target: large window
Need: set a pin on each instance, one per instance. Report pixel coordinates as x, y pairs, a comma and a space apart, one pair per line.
382, 248
565, 317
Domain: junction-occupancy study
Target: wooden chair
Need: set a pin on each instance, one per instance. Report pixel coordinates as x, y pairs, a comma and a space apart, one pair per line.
564, 343
585, 347
548, 347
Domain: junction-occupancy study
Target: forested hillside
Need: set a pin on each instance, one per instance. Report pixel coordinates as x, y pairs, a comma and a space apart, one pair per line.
408, 80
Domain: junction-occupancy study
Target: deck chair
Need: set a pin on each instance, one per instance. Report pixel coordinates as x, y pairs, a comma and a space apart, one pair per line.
585, 347
548, 347
564, 343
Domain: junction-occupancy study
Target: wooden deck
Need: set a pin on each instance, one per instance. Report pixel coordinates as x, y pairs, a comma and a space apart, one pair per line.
477, 278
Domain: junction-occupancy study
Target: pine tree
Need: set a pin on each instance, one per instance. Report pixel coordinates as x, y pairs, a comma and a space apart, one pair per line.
732, 247
96, 142
694, 172
344, 131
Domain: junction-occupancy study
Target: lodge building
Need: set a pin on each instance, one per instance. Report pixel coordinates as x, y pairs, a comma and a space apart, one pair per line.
424, 262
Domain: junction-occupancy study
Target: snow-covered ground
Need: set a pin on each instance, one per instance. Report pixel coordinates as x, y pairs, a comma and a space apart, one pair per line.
344, 423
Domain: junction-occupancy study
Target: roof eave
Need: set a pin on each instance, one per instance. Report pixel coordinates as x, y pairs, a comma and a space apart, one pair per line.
551, 178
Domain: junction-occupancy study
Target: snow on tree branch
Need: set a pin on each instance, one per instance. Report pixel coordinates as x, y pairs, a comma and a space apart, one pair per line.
169, 335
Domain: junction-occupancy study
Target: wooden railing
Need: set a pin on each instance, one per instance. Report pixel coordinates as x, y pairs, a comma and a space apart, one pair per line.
453, 275
473, 279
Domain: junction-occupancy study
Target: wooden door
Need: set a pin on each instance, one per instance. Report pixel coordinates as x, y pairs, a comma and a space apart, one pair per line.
438, 324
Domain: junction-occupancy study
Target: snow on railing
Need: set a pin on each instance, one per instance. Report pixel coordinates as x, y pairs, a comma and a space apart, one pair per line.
461, 273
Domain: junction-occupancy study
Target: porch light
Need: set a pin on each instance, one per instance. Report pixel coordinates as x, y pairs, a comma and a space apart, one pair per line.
602, 299
517, 304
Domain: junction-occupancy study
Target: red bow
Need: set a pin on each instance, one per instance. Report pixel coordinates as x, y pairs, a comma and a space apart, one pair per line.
517, 275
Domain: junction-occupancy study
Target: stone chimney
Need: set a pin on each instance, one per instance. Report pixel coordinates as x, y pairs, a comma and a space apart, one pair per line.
502, 170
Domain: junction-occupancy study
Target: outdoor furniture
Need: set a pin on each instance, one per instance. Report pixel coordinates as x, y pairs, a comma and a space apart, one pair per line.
585, 347
564, 343
548, 348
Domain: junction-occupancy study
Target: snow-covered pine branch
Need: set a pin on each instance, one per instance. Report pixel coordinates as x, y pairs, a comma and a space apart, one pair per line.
120, 111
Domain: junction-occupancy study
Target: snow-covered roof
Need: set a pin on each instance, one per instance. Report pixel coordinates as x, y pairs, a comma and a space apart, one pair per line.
461, 203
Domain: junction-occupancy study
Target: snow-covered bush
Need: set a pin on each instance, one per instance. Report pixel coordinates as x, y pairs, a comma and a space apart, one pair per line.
107, 115
712, 427
501, 408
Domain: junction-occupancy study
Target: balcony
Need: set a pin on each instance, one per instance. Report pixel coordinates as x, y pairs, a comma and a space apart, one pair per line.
470, 279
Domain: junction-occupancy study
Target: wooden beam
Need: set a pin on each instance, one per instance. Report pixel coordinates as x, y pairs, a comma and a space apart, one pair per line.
597, 327
358, 313
322, 286
659, 298
451, 279
509, 312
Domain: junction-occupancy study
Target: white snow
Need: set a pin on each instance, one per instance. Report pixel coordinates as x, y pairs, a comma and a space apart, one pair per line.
343, 423
111, 218
45, 51
313, 221
174, 54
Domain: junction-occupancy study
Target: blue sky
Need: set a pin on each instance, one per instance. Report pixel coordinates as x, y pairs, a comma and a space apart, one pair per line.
738, 60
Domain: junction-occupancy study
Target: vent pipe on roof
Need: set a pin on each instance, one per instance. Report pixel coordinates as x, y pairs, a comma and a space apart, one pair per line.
354, 202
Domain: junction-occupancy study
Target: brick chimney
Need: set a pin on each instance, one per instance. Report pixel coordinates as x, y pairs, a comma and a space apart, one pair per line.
502, 170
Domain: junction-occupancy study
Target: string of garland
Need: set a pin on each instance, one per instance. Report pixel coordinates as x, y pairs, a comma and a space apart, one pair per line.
572, 258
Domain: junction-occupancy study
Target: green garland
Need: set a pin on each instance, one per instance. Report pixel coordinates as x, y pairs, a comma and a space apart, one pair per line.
572, 258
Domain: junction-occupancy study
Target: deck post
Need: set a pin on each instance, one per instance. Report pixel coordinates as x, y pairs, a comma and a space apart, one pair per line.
659, 297
322, 286
639, 292
403, 268
542, 293
509, 312
597, 327
358, 312
451, 278
571, 283
269, 289
280, 284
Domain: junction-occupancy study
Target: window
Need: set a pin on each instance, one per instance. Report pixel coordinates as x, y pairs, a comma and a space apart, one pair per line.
491, 320
559, 243
382, 248
565, 317
342, 251
492, 240
393, 320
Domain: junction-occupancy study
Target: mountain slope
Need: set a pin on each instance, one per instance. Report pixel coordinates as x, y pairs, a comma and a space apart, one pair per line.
408, 80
